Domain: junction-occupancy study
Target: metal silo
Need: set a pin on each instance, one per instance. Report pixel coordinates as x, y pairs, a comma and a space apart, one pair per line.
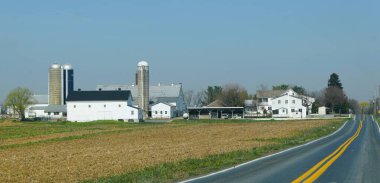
68, 81
55, 85
143, 86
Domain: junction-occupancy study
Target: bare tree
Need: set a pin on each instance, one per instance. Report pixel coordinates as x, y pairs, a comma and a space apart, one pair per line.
335, 97
197, 99
18, 100
189, 95
262, 87
354, 105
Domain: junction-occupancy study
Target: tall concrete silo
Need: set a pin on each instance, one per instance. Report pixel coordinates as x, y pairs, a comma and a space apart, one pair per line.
55, 85
68, 81
143, 86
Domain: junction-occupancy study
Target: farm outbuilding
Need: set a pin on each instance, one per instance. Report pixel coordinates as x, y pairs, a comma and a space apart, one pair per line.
163, 111
215, 112
85, 106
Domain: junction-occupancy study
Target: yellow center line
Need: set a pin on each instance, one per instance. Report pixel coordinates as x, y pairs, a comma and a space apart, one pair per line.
332, 158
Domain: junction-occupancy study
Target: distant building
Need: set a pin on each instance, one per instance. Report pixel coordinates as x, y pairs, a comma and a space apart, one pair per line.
37, 110
161, 93
216, 110
68, 81
61, 83
56, 112
55, 85
264, 100
322, 110
163, 111
143, 86
288, 106
291, 105
85, 106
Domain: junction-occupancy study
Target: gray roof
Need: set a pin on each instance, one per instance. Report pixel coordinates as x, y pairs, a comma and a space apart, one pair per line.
37, 108
217, 103
269, 93
155, 91
56, 108
41, 99
165, 104
165, 100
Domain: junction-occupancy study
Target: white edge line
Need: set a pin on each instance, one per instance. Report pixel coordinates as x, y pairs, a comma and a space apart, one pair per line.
376, 123
269, 156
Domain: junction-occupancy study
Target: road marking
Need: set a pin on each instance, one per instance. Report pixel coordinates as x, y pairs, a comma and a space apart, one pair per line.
266, 157
316, 171
376, 123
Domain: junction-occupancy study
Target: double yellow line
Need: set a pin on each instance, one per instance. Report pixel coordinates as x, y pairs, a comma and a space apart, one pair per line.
316, 171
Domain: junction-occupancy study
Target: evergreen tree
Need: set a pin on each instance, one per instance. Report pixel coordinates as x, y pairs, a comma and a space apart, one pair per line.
334, 81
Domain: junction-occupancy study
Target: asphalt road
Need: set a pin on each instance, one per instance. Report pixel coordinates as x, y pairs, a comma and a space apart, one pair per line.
352, 154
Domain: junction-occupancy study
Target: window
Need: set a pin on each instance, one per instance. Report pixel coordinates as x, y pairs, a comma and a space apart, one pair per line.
300, 110
75, 106
161, 112
286, 101
119, 105
283, 110
56, 113
105, 106
166, 112
279, 101
132, 112
156, 112
270, 108
49, 113
89, 106
293, 110
265, 99
294, 101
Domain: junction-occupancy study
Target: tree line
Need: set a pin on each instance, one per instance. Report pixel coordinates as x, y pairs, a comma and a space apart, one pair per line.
234, 95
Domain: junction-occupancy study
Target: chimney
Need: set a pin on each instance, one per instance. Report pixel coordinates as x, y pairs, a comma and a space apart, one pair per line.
100, 89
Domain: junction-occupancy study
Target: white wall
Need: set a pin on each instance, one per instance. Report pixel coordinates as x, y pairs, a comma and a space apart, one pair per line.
162, 111
102, 110
289, 109
36, 113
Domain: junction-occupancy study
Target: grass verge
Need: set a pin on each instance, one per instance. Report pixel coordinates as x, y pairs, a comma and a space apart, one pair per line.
170, 172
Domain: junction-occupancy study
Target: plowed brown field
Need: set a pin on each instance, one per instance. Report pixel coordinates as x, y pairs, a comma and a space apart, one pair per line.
130, 150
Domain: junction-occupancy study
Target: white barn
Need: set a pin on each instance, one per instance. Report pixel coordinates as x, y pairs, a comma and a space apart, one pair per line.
85, 106
163, 111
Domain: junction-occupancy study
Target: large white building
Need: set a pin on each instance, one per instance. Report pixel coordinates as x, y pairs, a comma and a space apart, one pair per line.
162, 93
85, 106
284, 103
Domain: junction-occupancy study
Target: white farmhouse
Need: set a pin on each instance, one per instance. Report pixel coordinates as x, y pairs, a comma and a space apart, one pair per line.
291, 105
85, 106
163, 111
288, 106
264, 99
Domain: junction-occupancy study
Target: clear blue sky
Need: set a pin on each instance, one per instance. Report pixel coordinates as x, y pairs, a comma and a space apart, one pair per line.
196, 42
